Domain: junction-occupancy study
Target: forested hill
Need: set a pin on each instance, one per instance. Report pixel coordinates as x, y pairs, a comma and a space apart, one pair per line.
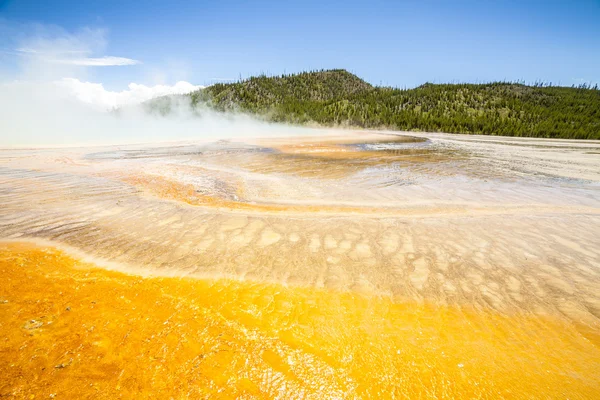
337, 97
262, 92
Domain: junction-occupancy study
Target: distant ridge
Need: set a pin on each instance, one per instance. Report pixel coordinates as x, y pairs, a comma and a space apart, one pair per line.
339, 98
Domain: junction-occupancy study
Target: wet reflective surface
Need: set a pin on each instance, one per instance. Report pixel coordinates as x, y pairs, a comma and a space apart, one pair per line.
344, 266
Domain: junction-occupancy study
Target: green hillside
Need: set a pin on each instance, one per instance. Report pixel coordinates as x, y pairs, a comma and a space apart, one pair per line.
261, 93
337, 97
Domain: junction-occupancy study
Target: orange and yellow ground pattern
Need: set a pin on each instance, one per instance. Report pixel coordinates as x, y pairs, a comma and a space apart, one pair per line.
71, 330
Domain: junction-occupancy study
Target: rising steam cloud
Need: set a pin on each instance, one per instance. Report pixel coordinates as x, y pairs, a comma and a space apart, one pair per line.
47, 100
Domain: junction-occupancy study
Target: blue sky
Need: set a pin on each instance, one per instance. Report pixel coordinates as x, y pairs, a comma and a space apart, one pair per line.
397, 43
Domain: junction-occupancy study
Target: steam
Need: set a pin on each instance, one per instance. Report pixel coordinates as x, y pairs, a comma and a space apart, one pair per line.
45, 114
49, 102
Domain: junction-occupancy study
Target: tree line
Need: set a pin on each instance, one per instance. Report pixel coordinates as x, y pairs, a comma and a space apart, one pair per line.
339, 98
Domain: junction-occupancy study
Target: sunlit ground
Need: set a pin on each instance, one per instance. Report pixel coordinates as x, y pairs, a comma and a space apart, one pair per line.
354, 266
75, 330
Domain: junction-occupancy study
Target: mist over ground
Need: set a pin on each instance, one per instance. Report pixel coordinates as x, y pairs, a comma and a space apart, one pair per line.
47, 114
47, 100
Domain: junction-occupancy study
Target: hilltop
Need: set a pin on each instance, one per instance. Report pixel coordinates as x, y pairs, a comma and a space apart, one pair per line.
258, 93
339, 98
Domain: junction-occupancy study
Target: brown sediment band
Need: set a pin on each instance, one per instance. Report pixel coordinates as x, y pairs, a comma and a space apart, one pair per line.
186, 193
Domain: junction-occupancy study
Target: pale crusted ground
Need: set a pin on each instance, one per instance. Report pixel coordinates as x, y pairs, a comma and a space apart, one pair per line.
496, 222
482, 249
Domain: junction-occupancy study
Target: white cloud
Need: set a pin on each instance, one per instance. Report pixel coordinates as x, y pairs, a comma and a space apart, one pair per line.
96, 95
70, 57
107, 61
27, 50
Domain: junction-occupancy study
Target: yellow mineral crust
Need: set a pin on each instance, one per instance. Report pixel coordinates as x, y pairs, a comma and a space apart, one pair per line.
71, 330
